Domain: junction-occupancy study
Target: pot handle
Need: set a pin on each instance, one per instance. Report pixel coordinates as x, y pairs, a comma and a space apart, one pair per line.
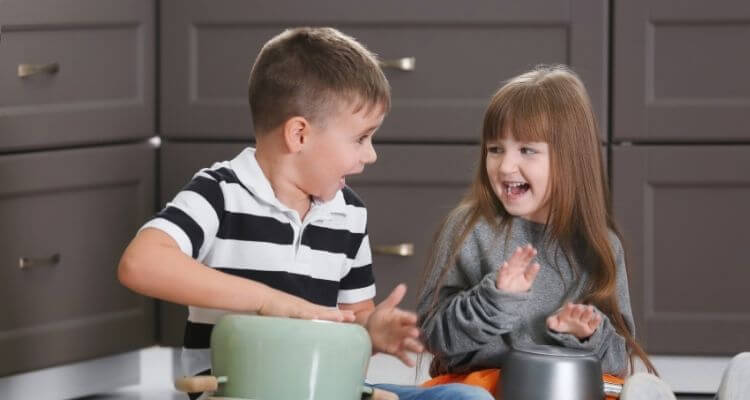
200, 383
370, 393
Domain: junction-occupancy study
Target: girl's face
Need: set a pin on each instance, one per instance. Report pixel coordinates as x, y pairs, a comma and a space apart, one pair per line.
519, 174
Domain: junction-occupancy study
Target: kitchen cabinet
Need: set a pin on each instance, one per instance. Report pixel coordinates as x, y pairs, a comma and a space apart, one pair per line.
461, 54
67, 216
684, 215
76, 72
679, 71
77, 104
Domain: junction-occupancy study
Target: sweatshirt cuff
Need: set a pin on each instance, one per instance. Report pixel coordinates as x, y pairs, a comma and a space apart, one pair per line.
502, 301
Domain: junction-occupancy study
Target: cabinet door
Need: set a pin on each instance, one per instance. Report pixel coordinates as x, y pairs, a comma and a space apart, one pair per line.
680, 71
462, 54
684, 214
408, 192
66, 219
179, 162
75, 72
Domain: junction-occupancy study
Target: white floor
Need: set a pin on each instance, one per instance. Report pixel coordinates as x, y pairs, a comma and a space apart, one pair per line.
149, 374
684, 374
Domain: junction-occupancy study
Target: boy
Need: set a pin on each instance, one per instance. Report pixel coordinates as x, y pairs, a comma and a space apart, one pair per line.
275, 231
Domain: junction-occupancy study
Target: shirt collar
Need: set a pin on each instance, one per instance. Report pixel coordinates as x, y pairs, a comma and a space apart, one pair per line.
249, 173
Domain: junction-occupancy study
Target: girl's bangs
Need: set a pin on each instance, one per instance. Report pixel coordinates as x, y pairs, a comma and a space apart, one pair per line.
526, 120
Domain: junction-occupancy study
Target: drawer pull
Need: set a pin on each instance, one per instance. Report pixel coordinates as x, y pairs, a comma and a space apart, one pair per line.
401, 64
401, 250
26, 70
27, 262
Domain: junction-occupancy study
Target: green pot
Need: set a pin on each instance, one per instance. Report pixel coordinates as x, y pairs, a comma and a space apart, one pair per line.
269, 358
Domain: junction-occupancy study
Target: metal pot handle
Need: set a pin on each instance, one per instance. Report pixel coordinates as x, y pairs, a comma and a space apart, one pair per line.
200, 383
370, 393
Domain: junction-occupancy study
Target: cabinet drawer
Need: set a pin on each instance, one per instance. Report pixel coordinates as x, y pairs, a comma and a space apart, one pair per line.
679, 72
67, 216
72, 77
684, 215
461, 56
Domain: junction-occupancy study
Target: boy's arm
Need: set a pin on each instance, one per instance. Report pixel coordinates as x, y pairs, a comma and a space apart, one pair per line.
392, 330
154, 265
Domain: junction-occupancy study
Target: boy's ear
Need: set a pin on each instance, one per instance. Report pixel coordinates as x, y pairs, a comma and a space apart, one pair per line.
295, 131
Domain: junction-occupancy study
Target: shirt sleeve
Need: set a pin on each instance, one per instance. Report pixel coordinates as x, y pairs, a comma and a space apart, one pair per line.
192, 217
609, 345
465, 315
359, 282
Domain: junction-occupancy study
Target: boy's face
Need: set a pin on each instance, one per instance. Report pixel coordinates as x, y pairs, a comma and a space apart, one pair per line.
339, 146
519, 173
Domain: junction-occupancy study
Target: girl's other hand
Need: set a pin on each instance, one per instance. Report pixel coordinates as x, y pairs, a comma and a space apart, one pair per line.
518, 273
577, 319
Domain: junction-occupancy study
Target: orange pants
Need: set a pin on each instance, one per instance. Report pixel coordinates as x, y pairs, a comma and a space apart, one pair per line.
489, 378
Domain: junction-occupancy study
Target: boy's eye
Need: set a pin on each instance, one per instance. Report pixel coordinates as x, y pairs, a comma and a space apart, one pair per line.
362, 139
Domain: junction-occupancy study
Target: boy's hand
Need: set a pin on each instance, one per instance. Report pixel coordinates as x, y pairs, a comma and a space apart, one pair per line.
392, 330
280, 304
577, 319
517, 274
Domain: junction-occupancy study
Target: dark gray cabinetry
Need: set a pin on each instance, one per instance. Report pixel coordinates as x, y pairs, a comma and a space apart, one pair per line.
679, 71
75, 72
462, 52
684, 212
66, 218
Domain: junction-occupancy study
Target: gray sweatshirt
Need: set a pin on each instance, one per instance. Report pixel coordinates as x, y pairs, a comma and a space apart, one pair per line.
475, 324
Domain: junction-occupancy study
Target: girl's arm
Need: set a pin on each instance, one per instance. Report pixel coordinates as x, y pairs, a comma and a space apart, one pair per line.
467, 313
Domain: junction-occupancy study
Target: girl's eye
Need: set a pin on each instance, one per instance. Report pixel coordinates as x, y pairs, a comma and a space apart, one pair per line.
527, 150
362, 139
494, 149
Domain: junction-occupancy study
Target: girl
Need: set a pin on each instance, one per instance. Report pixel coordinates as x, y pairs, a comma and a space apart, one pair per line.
531, 254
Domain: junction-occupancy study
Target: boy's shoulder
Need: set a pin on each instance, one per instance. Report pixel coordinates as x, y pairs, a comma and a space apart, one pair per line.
351, 198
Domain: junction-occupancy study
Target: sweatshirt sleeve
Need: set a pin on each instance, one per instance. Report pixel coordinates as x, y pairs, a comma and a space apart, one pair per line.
469, 311
609, 345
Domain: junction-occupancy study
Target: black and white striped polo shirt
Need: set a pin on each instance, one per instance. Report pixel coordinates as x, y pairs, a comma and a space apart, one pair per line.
228, 218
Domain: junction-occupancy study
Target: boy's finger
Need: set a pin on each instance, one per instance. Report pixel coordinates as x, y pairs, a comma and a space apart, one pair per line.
395, 297
413, 345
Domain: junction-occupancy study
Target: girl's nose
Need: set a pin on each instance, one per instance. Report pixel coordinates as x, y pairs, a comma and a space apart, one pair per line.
508, 164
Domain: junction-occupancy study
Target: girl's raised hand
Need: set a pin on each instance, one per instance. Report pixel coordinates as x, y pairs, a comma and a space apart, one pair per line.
577, 319
518, 273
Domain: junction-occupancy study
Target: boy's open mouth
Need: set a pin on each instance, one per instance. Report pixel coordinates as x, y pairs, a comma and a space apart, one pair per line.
515, 189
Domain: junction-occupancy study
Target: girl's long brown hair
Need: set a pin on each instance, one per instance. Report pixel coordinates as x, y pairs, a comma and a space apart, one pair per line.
550, 104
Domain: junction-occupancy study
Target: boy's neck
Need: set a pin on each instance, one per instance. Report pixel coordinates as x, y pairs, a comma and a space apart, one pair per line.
275, 166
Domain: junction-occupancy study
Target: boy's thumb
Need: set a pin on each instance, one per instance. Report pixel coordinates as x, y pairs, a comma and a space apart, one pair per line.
396, 296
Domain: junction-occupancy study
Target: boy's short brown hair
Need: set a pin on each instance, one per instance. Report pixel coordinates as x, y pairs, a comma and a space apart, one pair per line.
305, 71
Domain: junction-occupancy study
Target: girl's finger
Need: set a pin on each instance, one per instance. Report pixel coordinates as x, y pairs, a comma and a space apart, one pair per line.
531, 272
575, 312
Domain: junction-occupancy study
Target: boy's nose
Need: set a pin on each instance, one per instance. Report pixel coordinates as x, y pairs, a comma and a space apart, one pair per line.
370, 155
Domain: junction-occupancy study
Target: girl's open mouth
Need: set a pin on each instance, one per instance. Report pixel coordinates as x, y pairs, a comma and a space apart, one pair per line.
514, 190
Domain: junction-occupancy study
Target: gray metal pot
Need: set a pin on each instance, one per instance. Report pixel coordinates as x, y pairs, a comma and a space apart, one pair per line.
540, 372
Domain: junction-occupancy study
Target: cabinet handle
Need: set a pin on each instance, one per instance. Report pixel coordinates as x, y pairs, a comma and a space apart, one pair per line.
401, 64
26, 70
27, 262
401, 249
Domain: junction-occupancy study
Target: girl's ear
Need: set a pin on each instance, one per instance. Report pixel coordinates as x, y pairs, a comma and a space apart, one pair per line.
296, 131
